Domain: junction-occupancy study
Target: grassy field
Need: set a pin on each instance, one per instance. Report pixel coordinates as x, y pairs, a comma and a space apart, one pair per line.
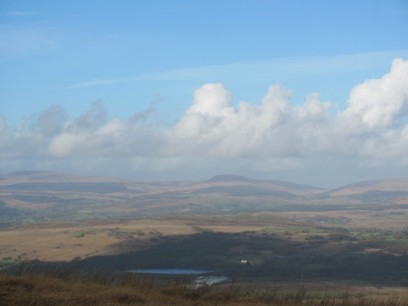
277, 243
55, 241
327, 254
34, 290
66, 241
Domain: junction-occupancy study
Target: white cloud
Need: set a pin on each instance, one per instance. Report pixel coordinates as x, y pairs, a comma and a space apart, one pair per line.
217, 135
212, 100
212, 126
64, 144
378, 103
51, 121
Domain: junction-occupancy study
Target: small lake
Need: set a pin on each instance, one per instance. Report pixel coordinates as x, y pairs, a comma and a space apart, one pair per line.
170, 271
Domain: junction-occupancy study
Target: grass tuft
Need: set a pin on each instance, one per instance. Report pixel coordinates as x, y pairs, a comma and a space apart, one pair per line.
32, 290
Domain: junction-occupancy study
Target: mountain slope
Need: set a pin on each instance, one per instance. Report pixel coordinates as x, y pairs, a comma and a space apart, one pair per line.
381, 190
241, 185
41, 195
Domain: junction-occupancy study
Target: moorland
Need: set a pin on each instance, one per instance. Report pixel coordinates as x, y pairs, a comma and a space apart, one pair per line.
264, 236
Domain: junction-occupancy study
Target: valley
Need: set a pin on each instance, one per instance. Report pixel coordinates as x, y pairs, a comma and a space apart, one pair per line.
255, 233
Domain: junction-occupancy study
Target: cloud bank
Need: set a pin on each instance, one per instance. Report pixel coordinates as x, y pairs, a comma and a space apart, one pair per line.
216, 134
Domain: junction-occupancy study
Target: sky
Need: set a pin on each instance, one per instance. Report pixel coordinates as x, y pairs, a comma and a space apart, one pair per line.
313, 92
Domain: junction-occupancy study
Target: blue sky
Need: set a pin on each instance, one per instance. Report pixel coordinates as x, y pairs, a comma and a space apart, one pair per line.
142, 56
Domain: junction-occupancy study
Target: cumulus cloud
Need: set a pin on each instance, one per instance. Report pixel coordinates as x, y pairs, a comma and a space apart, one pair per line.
219, 134
272, 128
94, 134
65, 143
51, 121
213, 126
379, 103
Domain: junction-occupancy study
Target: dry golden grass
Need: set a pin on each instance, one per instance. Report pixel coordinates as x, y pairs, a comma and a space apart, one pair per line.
63, 242
31, 290
66, 241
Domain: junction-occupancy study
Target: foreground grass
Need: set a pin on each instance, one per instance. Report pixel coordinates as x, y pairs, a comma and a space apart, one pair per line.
34, 290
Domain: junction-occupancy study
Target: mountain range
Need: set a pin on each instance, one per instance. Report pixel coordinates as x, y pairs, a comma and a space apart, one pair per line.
35, 195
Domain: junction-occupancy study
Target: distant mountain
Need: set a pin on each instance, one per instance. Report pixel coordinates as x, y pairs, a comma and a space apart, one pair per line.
230, 178
241, 185
47, 181
43, 181
43, 194
380, 190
